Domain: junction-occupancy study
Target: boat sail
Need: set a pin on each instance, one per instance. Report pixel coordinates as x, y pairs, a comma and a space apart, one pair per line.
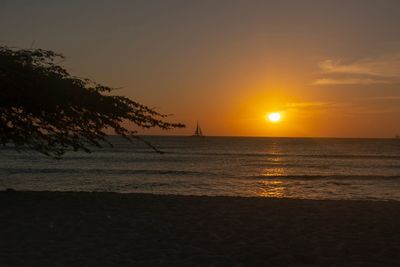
198, 132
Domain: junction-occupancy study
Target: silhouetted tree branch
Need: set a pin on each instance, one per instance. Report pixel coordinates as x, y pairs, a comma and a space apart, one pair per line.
43, 107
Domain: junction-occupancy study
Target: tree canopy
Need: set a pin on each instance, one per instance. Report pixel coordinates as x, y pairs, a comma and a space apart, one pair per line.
45, 108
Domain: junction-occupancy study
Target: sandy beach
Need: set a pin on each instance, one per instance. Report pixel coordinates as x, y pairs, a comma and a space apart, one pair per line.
97, 229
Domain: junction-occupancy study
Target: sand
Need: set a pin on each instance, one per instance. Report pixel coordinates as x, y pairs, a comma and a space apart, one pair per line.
105, 229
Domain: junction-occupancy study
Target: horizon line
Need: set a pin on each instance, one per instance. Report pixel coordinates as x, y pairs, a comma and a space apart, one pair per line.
249, 136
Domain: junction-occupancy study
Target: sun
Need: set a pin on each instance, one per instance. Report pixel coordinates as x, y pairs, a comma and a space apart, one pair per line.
274, 117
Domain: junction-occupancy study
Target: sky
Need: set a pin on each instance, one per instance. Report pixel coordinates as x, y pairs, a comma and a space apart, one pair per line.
331, 68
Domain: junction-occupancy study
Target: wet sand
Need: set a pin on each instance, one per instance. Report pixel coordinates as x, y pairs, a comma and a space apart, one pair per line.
104, 229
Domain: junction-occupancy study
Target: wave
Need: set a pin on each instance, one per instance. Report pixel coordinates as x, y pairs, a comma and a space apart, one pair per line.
137, 152
322, 156
102, 172
182, 173
325, 177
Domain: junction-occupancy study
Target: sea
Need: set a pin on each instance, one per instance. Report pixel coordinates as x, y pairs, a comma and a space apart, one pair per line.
304, 168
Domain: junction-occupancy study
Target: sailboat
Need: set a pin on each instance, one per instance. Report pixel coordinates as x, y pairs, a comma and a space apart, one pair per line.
198, 132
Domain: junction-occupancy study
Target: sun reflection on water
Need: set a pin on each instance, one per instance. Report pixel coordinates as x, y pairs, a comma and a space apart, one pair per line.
272, 172
272, 189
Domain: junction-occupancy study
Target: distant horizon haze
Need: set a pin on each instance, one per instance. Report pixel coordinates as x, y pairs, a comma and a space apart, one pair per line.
269, 137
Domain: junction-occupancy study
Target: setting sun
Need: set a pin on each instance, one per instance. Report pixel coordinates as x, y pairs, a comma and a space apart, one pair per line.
274, 117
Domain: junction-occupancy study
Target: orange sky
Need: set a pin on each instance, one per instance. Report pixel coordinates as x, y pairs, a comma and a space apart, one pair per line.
331, 67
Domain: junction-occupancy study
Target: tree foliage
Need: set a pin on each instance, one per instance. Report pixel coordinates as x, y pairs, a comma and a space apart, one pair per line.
43, 107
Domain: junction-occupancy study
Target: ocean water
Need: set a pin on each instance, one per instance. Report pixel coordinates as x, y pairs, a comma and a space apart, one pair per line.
230, 166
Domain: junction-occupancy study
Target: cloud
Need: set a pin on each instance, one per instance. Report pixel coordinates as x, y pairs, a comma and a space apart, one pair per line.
336, 66
346, 108
316, 106
349, 81
306, 104
378, 70
393, 97
371, 110
384, 66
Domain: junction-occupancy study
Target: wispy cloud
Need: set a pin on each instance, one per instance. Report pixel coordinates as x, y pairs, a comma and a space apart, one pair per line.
393, 97
349, 81
370, 110
348, 108
306, 104
384, 66
316, 106
378, 70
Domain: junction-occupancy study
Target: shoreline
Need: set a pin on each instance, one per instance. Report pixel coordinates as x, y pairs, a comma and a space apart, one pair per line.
102, 228
169, 195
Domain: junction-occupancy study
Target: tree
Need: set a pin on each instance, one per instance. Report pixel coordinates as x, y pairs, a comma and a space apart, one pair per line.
43, 107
